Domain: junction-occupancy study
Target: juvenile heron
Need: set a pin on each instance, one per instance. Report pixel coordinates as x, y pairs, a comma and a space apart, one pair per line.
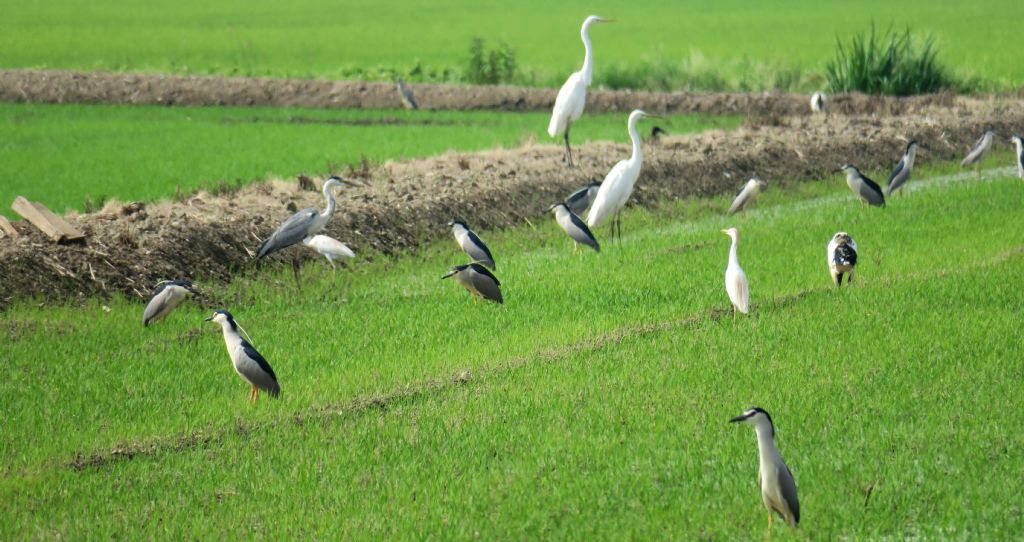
470, 243
329, 247
818, 102
478, 280
901, 173
572, 97
166, 297
1017, 142
979, 150
750, 191
735, 279
302, 224
249, 364
618, 184
867, 190
842, 257
778, 489
574, 227
405, 93
580, 200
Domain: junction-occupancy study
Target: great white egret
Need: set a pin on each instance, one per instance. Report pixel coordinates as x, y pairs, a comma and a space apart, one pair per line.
867, 190
572, 97
901, 173
778, 489
166, 297
735, 279
618, 184
842, 257
574, 227
471, 243
302, 224
249, 364
329, 247
750, 191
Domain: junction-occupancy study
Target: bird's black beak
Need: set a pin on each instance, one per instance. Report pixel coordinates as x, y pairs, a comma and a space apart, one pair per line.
208, 319
738, 419
450, 273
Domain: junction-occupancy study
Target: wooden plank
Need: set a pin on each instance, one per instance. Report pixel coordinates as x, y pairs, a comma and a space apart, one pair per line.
7, 228
39, 216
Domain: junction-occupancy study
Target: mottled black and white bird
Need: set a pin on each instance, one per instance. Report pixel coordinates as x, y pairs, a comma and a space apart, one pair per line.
580, 200
778, 488
818, 102
842, 257
901, 173
750, 191
405, 93
478, 280
166, 297
1019, 144
249, 364
979, 150
302, 224
867, 190
470, 243
574, 227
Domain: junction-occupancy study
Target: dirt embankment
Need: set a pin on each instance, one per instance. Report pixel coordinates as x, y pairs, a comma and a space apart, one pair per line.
54, 86
402, 205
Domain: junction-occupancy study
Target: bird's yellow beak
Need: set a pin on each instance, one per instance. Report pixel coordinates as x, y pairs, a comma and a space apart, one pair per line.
724, 231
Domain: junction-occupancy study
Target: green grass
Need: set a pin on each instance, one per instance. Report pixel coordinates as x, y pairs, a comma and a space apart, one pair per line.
64, 155
596, 399
704, 44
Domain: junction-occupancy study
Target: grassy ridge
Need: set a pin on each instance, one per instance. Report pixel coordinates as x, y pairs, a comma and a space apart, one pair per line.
320, 39
592, 407
64, 155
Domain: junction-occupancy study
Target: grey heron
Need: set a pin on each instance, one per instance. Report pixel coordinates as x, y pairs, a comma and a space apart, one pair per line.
863, 187
470, 243
750, 191
328, 247
1019, 144
574, 227
618, 184
778, 489
572, 97
818, 100
166, 297
735, 279
580, 200
248, 363
842, 257
979, 150
405, 93
302, 224
478, 280
901, 173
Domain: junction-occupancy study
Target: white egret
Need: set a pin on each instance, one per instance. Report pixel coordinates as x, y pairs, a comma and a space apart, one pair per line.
329, 247
618, 184
302, 224
818, 100
1019, 144
735, 279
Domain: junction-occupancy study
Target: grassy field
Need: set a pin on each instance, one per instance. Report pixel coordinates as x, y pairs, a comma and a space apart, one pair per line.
64, 155
732, 43
592, 404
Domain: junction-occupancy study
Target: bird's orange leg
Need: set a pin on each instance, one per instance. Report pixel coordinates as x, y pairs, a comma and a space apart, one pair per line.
252, 394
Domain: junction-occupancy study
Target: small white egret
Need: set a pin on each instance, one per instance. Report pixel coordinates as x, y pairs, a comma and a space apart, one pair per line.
618, 184
478, 281
863, 187
818, 102
979, 150
329, 247
901, 173
302, 224
471, 243
735, 279
750, 191
572, 97
249, 364
778, 489
166, 297
842, 257
574, 227
1019, 144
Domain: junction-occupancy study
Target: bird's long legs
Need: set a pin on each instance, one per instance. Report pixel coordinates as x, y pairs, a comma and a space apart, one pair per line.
253, 394
568, 150
770, 519
734, 315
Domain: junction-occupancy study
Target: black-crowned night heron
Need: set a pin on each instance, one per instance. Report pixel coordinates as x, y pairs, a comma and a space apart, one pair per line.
818, 102
901, 173
405, 93
867, 190
574, 227
572, 97
618, 184
842, 257
979, 150
302, 224
778, 489
478, 280
750, 191
329, 247
656, 133
1019, 144
735, 279
580, 200
471, 244
249, 364
166, 297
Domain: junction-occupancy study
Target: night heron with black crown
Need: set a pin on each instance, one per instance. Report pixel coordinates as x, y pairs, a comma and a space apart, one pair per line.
478, 280
249, 364
574, 227
901, 173
978, 151
166, 297
778, 489
863, 187
471, 243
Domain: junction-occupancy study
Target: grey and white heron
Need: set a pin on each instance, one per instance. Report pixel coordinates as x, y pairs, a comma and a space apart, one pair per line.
572, 97
471, 243
750, 191
735, 279
842, 257
580, 200
329, 247
979, 151
618, 184
818, 100
778, 489
405, 93
901, 173
478, 280
1019, 144
574, 227
863, 187
166, 297
248, 363
302, 224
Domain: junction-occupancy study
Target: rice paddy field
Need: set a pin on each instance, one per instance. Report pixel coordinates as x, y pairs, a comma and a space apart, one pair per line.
592, 404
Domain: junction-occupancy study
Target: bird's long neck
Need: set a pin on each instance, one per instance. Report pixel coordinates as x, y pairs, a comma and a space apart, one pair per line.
734, 260
638, 153
588, 57
231, 337
766, 443
329, 211
910, 156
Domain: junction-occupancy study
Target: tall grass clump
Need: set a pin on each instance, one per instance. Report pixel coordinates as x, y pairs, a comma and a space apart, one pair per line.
890, 63
490, 67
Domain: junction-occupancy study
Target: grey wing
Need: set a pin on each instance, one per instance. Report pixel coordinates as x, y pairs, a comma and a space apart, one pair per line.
158, 305
895, 172
871, 192
291, 231
580, 233
259, 372
740, 202
487, 285
975, 153
788, 486
580, 200
478, 250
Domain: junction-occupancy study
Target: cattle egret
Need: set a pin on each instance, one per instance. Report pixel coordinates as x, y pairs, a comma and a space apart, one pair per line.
329, 247
778, 489
735, 280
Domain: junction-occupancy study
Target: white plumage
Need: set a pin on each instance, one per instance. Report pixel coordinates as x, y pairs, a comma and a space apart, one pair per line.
842, 257
328, 247
618, 184
1019, 144
818, 102
735, 279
